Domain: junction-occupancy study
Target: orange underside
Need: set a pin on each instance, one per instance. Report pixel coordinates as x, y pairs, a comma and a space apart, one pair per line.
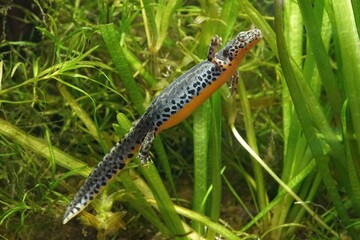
206, 93
189, 108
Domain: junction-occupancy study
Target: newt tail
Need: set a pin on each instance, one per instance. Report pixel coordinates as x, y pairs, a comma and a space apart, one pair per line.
110, 166
175, 103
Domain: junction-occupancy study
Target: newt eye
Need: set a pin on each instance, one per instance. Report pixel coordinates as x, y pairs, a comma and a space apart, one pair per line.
241, 36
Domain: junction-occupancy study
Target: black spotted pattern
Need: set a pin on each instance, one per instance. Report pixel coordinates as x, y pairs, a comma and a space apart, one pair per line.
183, 89
112, 163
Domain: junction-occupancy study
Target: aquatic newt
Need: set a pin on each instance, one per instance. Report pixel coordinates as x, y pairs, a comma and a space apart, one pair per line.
175, 103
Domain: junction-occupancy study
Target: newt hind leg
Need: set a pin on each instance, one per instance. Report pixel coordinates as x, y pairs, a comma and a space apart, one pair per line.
143, 154
234, 83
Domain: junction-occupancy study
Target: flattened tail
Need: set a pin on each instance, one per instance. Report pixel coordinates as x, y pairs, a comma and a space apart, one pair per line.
105, 171
72, 211
88, 192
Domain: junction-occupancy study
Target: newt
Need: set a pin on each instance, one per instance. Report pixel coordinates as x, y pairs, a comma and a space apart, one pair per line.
174, 104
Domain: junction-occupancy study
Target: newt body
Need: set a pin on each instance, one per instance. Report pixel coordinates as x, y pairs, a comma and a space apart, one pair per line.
175, 103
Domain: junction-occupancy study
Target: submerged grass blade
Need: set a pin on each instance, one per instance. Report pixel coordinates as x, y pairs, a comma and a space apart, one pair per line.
280, 182
312, 25
348, 39
112, 42
151, 29
215, 162
351, 155
166, 206
302, 112
40, 147
201, 128
262, 198
82, 114
195, 216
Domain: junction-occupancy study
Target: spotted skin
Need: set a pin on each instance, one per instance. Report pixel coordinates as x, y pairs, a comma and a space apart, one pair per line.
169, 108
234, 83
110, 166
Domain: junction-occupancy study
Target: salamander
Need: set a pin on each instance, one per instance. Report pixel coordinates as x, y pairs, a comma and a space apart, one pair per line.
175, 103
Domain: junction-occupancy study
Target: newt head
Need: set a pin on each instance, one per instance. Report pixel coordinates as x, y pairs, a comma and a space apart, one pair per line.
242, 43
